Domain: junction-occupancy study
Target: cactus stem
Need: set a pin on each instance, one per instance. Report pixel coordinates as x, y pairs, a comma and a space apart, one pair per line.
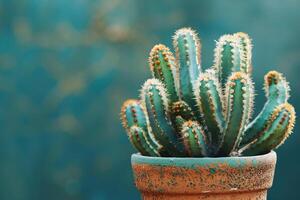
246, 48
239, 103
133, 114
194, 139
277, 130
277, 92
188, 51
138, 138
162, 65
155, 99
209, 100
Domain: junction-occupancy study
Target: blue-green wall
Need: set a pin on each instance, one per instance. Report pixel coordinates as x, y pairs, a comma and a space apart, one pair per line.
66, 66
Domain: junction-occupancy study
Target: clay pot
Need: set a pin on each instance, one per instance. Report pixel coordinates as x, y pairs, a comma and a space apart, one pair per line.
227, 178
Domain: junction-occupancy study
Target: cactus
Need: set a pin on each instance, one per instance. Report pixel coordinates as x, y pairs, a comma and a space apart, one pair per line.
184, 112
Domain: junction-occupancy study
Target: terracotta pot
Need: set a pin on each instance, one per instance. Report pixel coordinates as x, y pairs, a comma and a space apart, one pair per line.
227, 178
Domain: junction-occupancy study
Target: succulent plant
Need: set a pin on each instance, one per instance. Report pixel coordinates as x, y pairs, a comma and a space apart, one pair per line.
185, 111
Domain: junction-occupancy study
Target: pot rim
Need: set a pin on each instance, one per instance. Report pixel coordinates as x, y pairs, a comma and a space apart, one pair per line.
137, 158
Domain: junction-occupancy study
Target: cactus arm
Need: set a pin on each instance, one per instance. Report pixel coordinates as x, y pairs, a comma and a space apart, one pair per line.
194, 139
187, 47
208, 95
162, 65
246, 51
156, 102
233, 54
133, 114
279, 127
227, 57
138, 138
277, 92
239, 102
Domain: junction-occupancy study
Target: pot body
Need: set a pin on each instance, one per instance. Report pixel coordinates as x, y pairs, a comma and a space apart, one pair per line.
228, 178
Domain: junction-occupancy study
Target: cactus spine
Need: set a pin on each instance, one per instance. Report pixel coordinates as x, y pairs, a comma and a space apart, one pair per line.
184, 112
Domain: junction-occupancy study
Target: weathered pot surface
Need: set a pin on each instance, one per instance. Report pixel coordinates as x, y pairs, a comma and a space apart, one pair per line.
226, 178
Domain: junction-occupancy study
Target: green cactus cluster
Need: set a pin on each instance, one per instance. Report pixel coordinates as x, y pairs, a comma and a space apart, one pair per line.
186, 112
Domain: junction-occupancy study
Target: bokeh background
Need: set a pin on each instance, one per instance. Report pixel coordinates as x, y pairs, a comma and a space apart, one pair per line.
66, 66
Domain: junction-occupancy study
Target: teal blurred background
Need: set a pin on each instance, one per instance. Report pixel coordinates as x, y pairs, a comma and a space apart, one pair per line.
66, 66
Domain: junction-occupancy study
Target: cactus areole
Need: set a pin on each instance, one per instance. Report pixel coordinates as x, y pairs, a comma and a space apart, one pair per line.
189, 115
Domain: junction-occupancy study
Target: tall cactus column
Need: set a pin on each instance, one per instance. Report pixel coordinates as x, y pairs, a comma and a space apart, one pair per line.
209, 99
239, 103
188, 52
155, 99
162, 66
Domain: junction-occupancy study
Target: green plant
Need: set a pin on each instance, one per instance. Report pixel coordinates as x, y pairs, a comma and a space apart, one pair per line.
186, 112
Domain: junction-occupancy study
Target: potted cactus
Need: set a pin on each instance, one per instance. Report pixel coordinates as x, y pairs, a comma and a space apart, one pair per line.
193, 128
